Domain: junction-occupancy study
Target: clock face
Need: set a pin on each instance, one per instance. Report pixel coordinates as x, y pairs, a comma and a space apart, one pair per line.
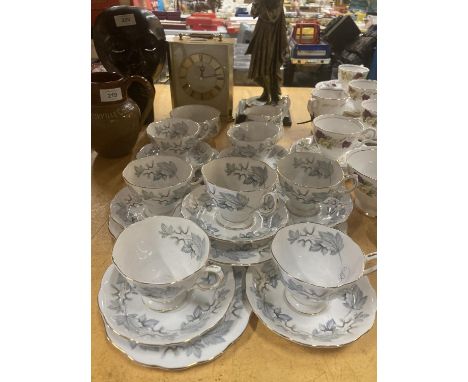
202, 76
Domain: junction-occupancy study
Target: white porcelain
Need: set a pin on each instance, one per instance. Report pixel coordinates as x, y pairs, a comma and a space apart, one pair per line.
369, 113
363, 164
265, 113
348, 72
241, 255
305, 145
256, 137
331, 84
206, 116
349, 315
163, 257
327, 101
331, 212
123, 309
362, 90
336, 134
127, 208
174, 135
271, 157
199, 207
239, 187
314, 261
308, 179
201, 349
160, 181
115, 229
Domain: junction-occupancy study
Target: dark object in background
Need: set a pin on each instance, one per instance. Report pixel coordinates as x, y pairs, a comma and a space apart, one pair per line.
116, 119
360, 51
131, 41
340, 32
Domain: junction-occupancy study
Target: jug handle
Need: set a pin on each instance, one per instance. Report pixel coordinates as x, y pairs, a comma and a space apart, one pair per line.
149, 91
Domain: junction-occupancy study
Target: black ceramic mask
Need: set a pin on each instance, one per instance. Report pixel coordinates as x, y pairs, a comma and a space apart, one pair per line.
130, 40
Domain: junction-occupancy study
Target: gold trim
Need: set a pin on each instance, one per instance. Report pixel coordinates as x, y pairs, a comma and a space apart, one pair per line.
175, 343
337, 116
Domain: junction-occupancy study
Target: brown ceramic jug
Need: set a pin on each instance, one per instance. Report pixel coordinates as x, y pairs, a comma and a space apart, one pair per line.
116, 119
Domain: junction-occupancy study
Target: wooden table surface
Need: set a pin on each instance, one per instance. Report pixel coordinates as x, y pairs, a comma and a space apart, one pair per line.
259, 354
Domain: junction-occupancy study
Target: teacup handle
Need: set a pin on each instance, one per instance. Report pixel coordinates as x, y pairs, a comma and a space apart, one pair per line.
268, 211
369, 133
311, 105
369, 257
205, 281
197, 182
354, 179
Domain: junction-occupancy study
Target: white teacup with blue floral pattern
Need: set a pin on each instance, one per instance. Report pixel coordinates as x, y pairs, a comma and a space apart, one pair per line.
315, 261
255, 137
161, 181
362, 163
164, 258
174, 136
206, 116
239, 187
308, 179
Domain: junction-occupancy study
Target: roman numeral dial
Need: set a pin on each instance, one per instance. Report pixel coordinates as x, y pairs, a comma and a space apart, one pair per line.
201, 76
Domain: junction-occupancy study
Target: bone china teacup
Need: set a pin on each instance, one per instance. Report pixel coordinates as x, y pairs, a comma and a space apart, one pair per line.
363, 163
255, 137
206, 116
239, 187
362, 90
316, 262
307, 179
336, 134
163, 258
265, 113
161, 181
348, 72
369, 113
174, 136
327, 101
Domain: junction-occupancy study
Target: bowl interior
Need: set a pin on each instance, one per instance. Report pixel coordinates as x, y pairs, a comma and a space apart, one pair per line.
173, 128
239, 174
157, 171
197, 113
310, 170
364, 84
318, 255
338, 124
364, 161
254, 131
161, 250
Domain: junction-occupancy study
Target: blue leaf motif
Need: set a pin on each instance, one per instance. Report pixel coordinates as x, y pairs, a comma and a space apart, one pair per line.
354, 298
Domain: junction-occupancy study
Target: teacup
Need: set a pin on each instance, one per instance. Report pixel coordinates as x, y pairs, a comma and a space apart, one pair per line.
308, 179
369, 113
362, 90
363, 163
174, 136
255, 137
327, 101
264, 113
163, 258
206, 116
336, 134
239, 187
348, 72
316, 262
161, 181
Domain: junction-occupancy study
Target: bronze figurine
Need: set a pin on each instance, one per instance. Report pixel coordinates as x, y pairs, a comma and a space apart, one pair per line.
268, 47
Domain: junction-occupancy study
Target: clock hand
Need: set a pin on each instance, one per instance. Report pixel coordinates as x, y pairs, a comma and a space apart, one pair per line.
202, 69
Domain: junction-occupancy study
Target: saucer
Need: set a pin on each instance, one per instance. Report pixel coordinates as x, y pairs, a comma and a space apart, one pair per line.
199, 207
240, 255
115, 229
201, 349
127, 208
270, 158
124, 311
305, 145
197, 156
349, 314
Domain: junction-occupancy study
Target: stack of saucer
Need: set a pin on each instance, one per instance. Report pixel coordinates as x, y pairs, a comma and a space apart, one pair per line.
162, 304
238, 208
314, 291
257, 140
